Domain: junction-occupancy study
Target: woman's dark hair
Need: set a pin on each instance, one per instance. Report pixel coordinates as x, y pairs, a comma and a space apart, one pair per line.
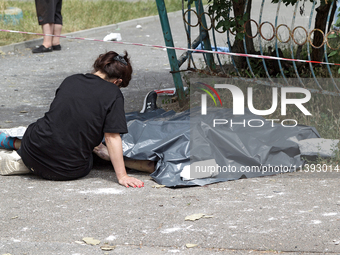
114, 66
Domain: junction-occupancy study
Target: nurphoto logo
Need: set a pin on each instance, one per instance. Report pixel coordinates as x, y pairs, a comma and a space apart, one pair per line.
238, 99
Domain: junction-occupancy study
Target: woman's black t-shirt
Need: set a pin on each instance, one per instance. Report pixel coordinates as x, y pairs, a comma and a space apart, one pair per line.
84, 108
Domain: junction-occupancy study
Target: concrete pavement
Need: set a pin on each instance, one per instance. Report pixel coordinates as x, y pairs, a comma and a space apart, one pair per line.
296, 213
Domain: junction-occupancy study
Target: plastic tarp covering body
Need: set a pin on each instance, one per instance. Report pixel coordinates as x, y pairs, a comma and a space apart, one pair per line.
170, 139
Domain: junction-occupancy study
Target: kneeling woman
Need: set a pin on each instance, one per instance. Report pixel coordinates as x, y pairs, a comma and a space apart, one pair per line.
86, 107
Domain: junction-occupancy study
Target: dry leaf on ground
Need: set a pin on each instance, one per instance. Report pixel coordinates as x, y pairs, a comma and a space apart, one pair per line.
107, 247
191, 245
91, 240
208, 216
158, 186
194, 217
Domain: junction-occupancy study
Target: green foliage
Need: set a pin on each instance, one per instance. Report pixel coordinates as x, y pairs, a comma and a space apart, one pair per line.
220, 10
332, 53
334, 40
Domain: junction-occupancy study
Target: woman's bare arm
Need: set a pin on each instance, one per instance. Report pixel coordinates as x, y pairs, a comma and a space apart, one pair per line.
114, 147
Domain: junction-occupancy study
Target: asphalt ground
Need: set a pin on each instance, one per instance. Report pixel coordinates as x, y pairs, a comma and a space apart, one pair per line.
297, 213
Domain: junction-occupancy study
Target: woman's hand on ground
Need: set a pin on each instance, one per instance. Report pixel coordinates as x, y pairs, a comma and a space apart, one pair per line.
129, 181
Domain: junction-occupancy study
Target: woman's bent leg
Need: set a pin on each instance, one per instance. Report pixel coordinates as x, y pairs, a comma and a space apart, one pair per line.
10, 143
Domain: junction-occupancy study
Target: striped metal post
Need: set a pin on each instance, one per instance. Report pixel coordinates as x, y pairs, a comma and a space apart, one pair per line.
163, 16
203, 30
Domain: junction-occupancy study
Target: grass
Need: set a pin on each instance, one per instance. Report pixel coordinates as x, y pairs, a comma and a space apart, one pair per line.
80, 15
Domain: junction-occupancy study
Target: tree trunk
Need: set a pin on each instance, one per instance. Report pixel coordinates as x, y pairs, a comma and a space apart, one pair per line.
249, 41
238, 46
320, 23
331, 18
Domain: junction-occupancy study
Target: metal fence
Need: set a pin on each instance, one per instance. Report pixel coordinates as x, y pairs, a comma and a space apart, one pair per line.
291, 35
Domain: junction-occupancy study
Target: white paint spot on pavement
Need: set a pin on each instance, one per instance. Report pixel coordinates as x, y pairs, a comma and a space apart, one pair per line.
301, 212
330, 214
316, 222
170, 230
248, 210
102, 191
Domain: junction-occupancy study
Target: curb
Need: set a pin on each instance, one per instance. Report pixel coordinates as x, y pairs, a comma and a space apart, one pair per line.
87, 32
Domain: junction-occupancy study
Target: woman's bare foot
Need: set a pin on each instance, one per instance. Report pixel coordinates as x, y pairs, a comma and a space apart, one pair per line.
102, 152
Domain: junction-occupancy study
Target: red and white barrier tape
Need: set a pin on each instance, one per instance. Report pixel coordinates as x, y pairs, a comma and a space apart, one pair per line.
178, 48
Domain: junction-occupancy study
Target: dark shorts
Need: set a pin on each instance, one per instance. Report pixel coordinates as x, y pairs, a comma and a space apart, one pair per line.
49, 11
40, 170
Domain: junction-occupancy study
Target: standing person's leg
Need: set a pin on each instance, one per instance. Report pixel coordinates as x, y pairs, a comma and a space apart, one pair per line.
45, 13
58, 25
56, 40
48, 29
54, 28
